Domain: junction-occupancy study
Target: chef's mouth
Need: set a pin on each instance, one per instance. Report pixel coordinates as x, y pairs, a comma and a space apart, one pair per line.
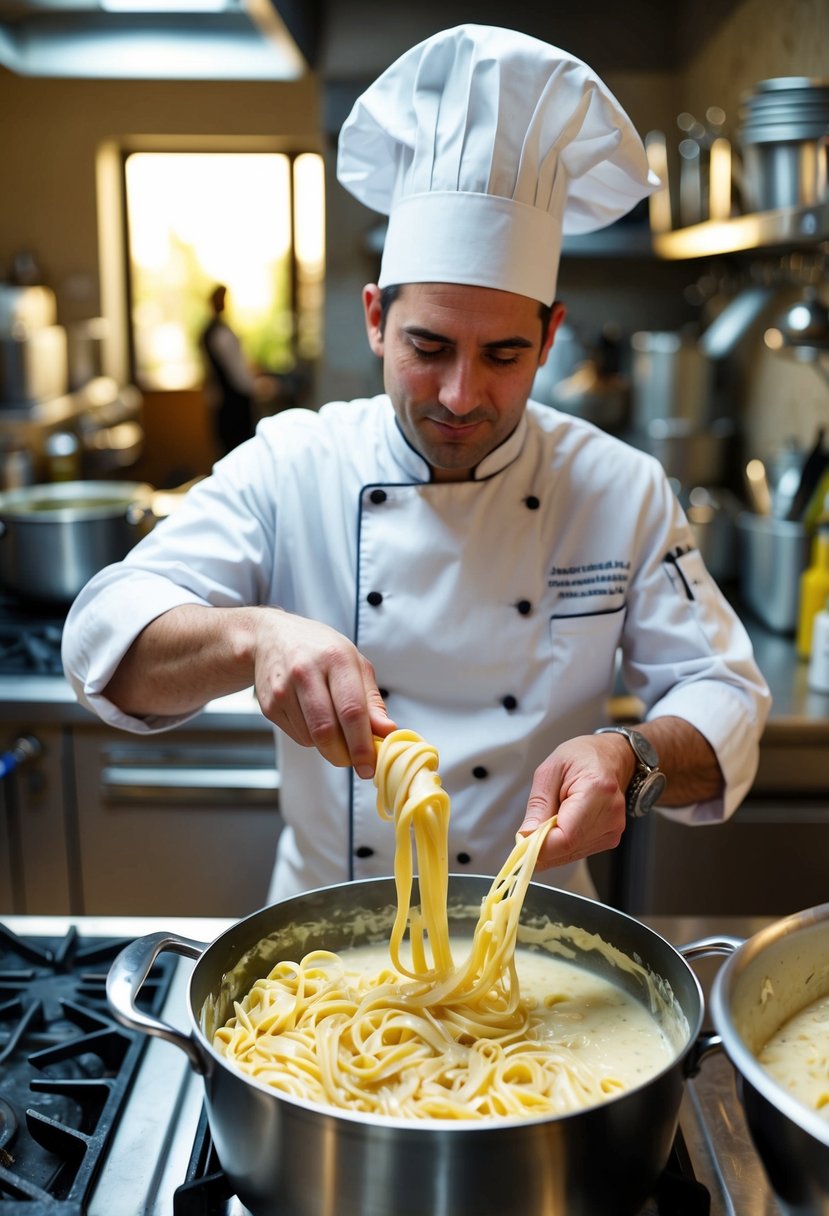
459, 429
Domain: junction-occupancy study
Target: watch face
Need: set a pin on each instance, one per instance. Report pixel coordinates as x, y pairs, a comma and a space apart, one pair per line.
652, 789
644, 749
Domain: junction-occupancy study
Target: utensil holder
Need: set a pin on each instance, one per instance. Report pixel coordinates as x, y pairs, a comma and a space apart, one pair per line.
773, 553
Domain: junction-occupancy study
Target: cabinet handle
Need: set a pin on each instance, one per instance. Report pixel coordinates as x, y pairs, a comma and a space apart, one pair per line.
201, 786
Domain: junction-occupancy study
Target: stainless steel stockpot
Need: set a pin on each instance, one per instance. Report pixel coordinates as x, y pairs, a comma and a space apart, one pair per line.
287, 1157
54, 537
770, 977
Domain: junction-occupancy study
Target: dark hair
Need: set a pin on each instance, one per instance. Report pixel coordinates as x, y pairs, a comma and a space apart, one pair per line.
389, 294
216, 298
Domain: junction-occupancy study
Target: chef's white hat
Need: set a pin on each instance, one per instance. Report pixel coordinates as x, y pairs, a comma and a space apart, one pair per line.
484, 146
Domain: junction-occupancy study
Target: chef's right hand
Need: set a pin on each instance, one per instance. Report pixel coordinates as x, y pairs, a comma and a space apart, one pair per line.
313, 683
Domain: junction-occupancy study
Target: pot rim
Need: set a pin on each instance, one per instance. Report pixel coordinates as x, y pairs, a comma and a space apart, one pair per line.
116, 499
455, 1126
741, 1056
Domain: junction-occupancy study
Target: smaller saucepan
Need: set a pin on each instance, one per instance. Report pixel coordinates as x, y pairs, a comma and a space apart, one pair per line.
54, 537
768, 979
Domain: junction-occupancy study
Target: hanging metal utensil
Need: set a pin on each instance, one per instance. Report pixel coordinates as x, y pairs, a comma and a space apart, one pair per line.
813, 469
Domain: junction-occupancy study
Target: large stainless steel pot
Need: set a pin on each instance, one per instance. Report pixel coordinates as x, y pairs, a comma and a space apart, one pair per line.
286, 1157
769, 978
671, 377
54, 537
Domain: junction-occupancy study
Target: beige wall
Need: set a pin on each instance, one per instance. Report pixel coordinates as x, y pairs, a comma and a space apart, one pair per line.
758, 40
48, 151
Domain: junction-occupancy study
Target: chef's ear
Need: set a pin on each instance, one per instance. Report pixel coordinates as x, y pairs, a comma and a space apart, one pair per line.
557, 314
373, 311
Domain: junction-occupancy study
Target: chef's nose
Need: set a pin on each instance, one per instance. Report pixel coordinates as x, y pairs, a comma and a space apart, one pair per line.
461, 387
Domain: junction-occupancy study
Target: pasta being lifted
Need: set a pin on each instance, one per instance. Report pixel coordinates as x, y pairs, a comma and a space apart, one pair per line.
427, 1037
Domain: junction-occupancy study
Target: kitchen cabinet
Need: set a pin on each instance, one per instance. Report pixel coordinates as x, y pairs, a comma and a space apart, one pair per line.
37, 842
106, 823
773, 855
185, 824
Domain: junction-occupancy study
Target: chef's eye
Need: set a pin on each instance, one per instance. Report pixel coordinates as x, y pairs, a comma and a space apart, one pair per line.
429, 350
503, 358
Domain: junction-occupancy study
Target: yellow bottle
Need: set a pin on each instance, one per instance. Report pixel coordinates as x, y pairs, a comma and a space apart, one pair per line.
814, 588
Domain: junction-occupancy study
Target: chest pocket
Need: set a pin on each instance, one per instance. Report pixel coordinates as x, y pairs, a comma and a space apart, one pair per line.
584, 652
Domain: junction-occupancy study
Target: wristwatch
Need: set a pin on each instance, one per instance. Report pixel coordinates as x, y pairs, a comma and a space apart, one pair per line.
648, 781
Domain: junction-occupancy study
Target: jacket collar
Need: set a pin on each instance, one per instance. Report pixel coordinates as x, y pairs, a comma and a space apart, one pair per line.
415, 467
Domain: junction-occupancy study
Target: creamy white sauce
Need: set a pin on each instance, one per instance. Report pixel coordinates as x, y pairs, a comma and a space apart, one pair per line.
797, 1056
614, 1035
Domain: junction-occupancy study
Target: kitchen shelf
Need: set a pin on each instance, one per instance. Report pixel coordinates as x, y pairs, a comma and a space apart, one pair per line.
787, 227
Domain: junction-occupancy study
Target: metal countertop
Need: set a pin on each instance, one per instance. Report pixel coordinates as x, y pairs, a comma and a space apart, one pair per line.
798, 714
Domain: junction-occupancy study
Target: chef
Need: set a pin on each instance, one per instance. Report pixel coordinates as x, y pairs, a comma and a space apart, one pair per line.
448, 556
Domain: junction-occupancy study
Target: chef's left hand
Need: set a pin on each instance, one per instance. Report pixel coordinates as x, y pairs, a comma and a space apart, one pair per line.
583, 782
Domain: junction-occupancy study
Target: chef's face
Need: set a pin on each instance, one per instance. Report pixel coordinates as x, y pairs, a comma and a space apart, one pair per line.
458, 364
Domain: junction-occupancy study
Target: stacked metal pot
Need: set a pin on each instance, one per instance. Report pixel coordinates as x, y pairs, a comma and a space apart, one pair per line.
676, 416
785, 150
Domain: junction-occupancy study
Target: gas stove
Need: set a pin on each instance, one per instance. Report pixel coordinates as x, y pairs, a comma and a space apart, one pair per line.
96, 1120
30, 636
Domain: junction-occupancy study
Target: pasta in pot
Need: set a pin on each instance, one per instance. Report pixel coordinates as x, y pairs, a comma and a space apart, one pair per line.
423, 1037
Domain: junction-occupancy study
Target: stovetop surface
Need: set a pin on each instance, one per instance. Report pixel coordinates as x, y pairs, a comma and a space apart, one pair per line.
161, 1156
67, 1066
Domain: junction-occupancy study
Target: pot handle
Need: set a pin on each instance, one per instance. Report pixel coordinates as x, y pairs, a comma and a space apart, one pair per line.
707, 1042
126, 975
703, 947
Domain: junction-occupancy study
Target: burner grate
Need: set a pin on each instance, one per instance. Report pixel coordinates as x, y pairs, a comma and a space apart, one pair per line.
205, 1190
30, 637
30, 648
67, 1067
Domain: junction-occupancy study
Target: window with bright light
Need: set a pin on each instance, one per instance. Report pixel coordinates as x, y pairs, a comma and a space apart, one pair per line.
253, 221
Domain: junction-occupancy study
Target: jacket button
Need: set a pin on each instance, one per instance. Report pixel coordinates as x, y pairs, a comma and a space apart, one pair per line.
464, 859
480, 772
524, 607
364, 851
509, 702
375, 598
378, 496
532, 503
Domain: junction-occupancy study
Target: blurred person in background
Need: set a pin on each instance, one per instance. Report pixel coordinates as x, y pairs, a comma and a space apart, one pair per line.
230, 384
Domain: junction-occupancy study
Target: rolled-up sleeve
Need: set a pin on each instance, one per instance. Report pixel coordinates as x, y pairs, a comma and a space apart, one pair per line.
215, 549
102, 624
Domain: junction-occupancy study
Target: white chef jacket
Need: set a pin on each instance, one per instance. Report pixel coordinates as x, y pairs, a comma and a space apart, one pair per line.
492, 610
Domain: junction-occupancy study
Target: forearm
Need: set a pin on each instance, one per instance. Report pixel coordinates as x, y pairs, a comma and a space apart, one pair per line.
185, 658
310, 680
686, 758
